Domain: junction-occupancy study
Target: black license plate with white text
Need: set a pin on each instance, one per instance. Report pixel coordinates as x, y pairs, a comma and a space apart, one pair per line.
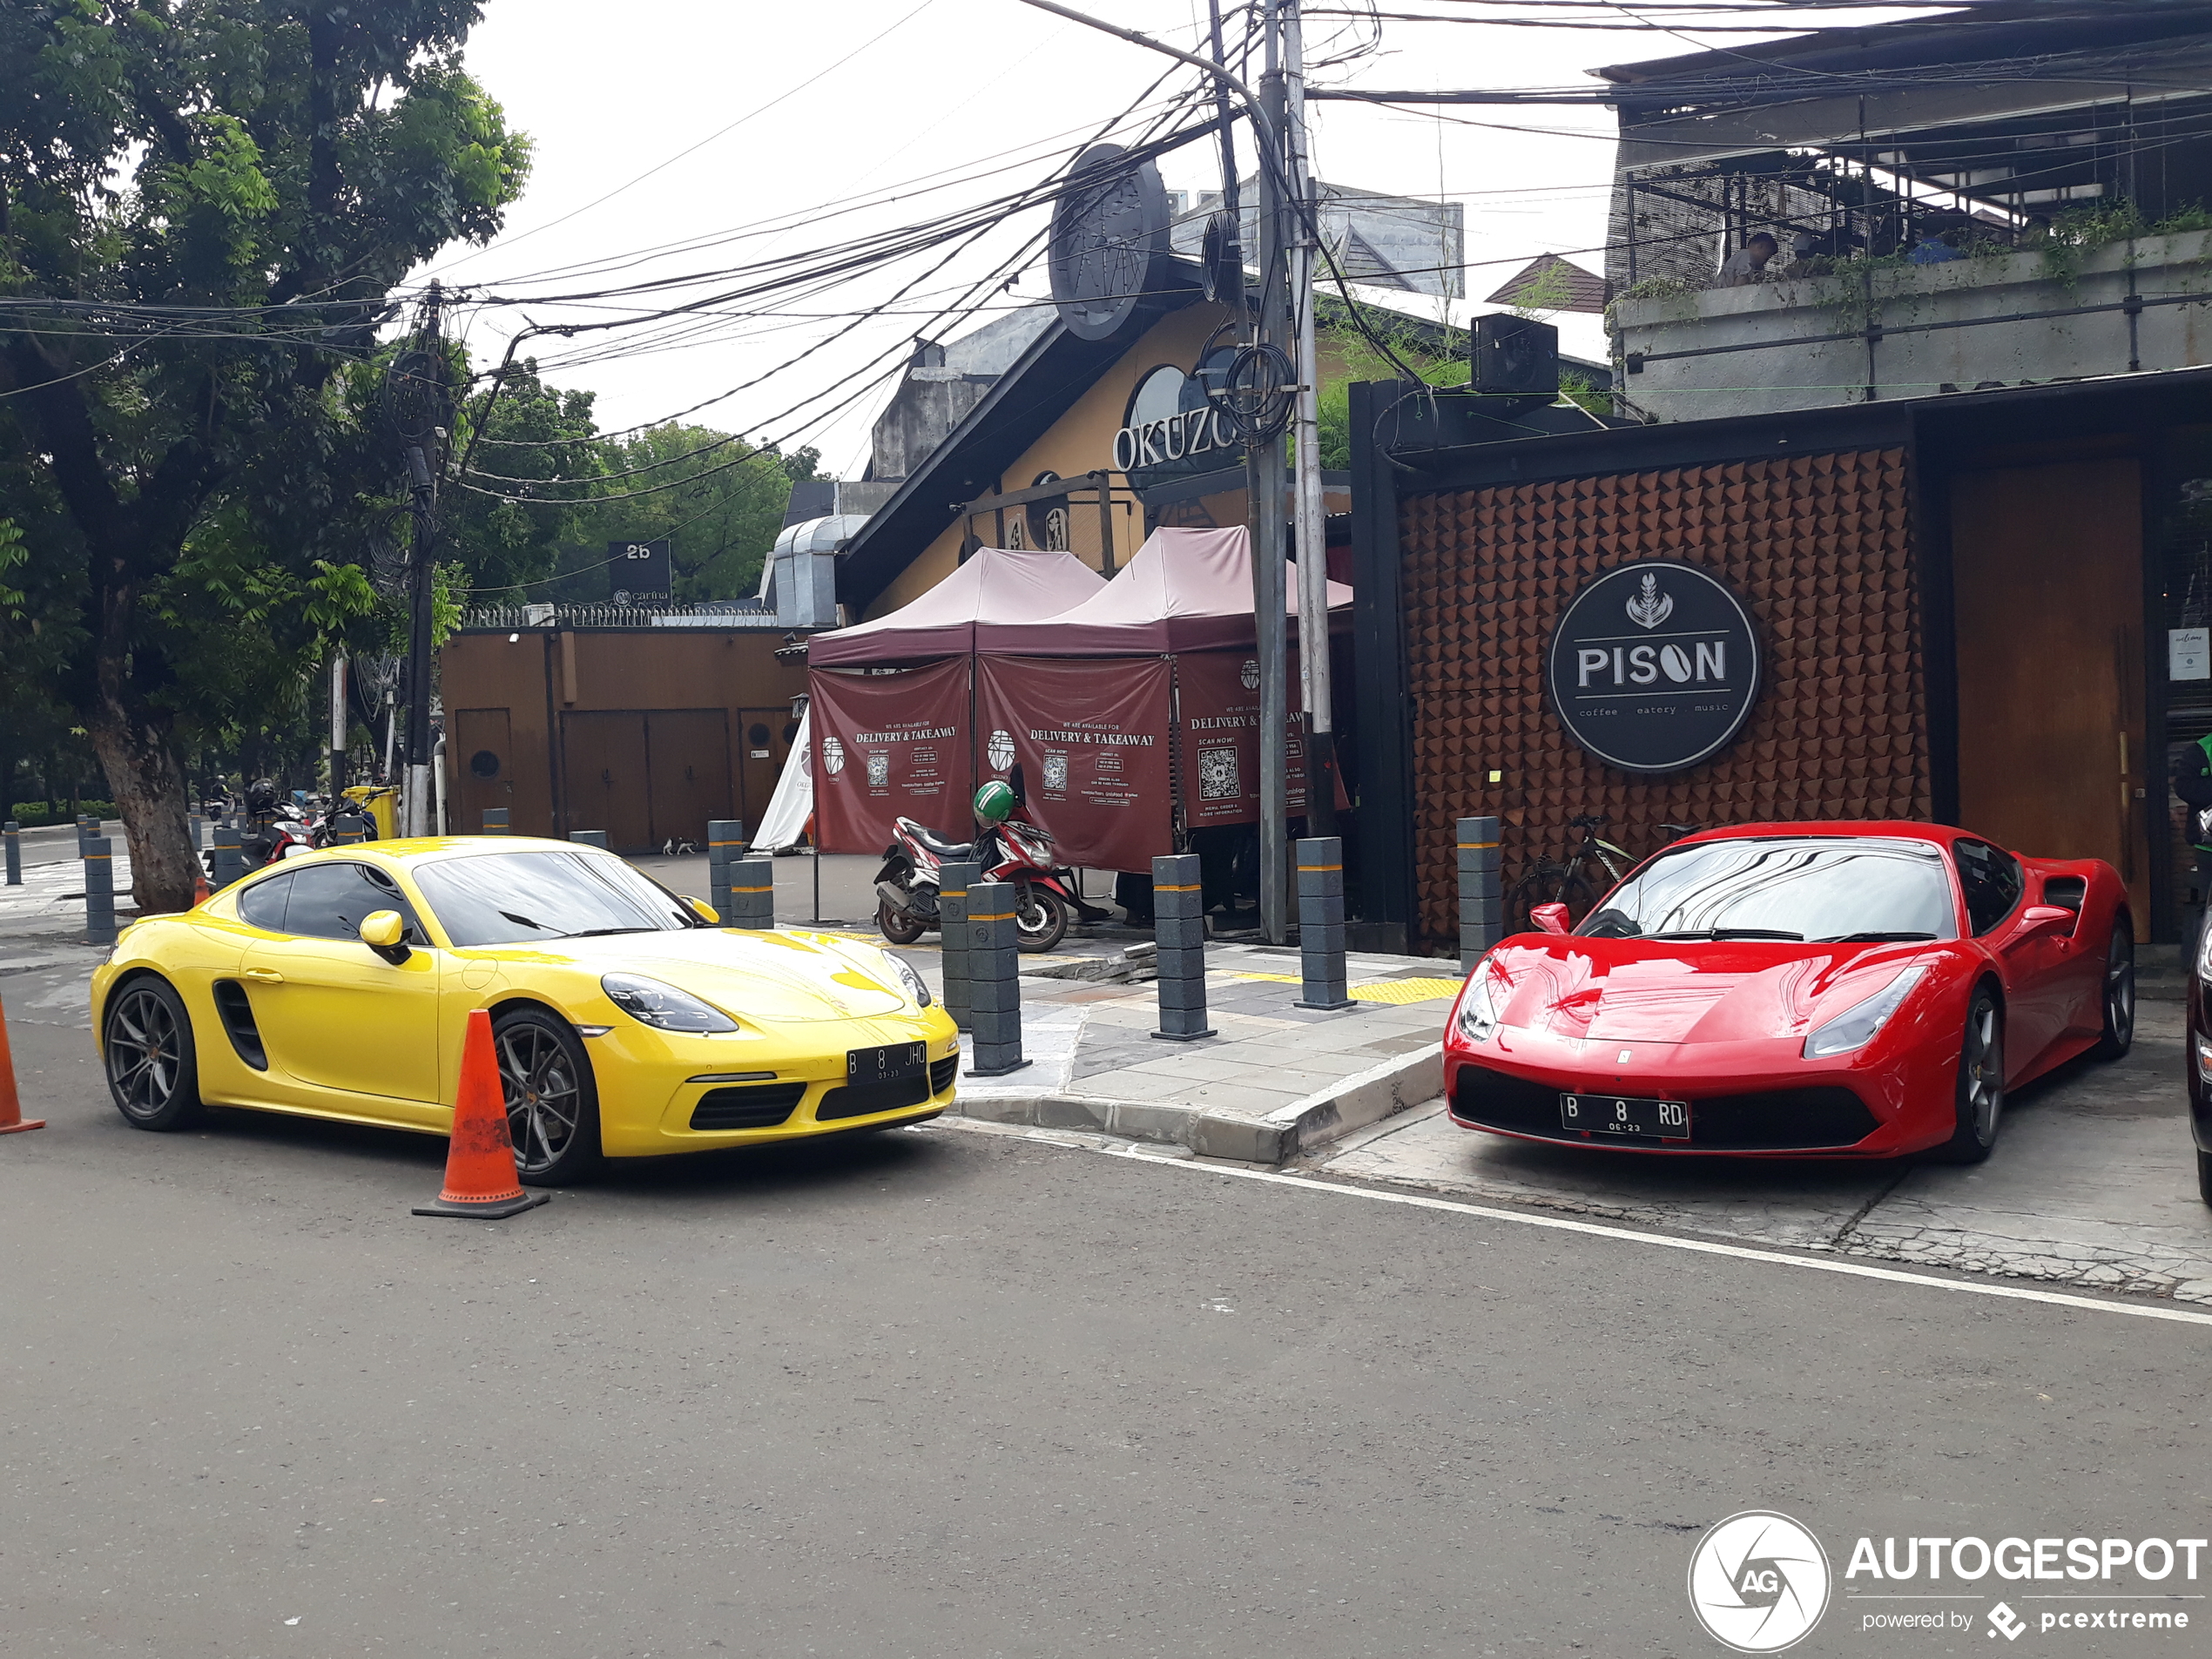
895, 1062
1668, 1120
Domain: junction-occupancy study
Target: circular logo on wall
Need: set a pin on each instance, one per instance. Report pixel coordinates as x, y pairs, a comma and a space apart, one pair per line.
832, 756
1758, 1582
1249, 674
1000, 750
1653, 667
621, 595
1110, 237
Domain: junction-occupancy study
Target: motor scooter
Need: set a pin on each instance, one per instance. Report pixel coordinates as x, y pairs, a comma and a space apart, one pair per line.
1017, 852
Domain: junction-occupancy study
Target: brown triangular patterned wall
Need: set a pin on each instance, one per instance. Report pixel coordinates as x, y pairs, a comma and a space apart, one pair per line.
1818, 547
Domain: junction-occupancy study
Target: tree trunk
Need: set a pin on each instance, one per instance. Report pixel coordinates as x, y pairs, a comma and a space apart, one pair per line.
142, 770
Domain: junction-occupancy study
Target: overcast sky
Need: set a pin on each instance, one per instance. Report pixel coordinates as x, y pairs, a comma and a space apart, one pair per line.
789, 112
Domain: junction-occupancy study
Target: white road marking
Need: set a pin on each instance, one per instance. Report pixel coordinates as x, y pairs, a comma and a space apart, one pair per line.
1742, 1252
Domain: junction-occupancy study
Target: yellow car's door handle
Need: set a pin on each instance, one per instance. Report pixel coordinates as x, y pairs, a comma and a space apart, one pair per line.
263, 976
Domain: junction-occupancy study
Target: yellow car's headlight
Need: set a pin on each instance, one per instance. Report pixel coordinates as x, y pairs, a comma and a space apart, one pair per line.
917, 988
654, 1003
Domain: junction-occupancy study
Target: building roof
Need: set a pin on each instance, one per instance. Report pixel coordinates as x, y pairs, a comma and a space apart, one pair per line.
1584, 290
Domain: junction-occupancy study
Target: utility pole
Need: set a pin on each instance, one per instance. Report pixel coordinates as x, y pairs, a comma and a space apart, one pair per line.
1265, 468
424, 442
1312, 522
1270, 478
337, 726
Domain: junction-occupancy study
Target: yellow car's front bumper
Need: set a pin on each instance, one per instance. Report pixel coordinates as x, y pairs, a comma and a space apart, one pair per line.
663, 1092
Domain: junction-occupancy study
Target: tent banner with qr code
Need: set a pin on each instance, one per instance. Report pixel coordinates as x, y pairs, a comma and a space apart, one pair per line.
888, 746
1091, 736
1218, 693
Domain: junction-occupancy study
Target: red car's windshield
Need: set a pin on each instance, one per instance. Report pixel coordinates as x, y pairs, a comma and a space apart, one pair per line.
1787, 888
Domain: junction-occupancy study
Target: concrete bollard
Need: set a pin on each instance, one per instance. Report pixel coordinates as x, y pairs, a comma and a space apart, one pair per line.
99, 891
994, 981
87, 827
954, 882
724, 844
751, 890
230, 863
1180, 928
348, 833
12, 835
494, 820
1320, 924
198, 833
1481, 898
590, 838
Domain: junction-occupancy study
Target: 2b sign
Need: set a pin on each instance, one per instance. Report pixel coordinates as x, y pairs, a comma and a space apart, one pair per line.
638, 568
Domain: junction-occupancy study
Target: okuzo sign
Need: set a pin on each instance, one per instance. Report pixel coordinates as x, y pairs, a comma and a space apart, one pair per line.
1654, 666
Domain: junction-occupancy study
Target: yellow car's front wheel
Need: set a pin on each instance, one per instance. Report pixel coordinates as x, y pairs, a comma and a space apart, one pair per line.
152, 1068
552, 1099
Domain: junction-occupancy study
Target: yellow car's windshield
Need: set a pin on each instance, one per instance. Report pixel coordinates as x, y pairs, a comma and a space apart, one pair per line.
513, 898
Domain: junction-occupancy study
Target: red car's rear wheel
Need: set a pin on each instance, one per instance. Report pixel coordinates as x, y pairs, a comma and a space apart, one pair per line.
2118, 994
1980, 1093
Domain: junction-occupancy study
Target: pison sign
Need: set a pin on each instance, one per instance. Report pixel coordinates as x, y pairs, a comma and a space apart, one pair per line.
1653, 667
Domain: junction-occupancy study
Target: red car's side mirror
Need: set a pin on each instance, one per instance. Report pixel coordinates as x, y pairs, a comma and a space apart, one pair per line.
1551, 918
2040, 919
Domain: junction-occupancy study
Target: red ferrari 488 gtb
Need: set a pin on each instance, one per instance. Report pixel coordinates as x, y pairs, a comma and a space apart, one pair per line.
1823, 989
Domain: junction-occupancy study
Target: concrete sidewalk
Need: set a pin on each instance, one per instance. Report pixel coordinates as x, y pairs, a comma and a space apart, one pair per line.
1276, 1081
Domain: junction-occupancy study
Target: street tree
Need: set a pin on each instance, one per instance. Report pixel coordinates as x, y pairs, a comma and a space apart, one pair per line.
264, 172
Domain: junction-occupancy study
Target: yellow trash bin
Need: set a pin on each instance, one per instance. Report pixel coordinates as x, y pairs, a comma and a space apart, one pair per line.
381, 802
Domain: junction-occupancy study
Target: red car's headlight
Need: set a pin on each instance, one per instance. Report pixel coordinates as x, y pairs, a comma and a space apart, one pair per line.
1856, 1026
1477, 1019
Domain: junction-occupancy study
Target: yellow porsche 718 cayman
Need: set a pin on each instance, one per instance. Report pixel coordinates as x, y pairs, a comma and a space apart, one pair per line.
339, 984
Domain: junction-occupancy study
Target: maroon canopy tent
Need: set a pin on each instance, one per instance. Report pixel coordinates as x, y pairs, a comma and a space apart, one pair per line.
893, 744
1116, 755
995, 586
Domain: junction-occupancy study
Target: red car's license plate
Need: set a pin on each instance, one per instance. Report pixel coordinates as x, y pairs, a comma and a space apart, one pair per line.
1611, 1114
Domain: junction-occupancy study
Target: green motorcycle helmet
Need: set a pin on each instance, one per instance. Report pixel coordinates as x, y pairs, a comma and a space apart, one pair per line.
994, 803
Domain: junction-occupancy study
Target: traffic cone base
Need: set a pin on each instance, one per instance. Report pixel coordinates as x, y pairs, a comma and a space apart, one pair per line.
480, 1157
484, 1209
12, 1122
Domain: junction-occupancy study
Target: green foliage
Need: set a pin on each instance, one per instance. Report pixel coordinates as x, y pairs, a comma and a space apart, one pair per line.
37, 814
189, 503
1362, 360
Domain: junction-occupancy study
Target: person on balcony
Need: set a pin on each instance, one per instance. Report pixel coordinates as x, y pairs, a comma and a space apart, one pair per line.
1747, 264
1934, 250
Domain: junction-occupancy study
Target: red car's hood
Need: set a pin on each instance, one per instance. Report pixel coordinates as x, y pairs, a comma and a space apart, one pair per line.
1635, 990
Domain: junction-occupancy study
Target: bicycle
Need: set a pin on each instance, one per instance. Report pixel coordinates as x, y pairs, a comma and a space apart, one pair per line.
1592, 869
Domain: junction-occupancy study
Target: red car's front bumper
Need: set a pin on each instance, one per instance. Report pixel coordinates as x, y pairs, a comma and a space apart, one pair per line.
1748, 1099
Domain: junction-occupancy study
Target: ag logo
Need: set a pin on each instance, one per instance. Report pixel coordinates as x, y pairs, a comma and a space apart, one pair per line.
1249, 674
1758, 1582
832, 756
1000, 750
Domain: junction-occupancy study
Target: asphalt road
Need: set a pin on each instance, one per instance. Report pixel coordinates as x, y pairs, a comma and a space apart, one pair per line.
950, 1392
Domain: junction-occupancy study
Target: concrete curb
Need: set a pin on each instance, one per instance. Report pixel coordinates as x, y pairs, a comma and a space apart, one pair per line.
1363, 1098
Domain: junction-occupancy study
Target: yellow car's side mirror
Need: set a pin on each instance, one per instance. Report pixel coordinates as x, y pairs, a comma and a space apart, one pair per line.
385, 933
706, 912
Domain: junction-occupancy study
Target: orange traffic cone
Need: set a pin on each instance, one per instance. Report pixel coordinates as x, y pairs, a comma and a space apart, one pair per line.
11, 1117
199, 890
480, 1159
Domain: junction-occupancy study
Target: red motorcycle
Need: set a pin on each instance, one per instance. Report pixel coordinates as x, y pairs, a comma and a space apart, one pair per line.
1011, 849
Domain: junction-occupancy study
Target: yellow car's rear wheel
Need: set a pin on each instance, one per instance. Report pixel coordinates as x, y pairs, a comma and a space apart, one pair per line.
552, 1099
